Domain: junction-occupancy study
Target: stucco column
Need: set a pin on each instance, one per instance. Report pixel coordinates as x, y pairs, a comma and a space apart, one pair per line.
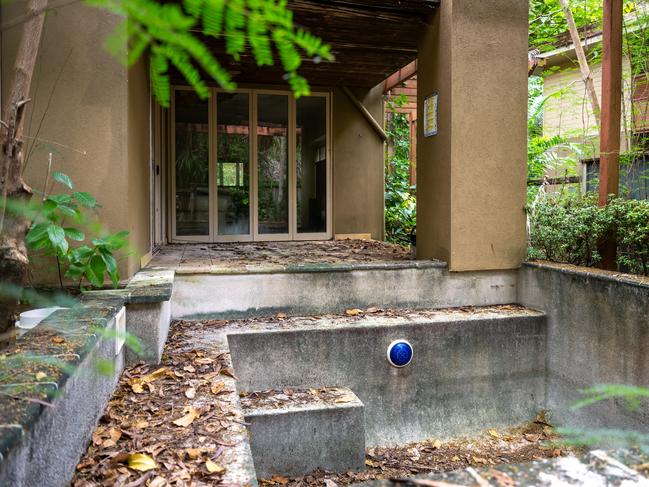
471, 180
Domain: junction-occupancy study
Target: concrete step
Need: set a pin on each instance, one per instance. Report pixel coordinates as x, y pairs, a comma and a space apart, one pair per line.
471, 367
294, 432
331, 288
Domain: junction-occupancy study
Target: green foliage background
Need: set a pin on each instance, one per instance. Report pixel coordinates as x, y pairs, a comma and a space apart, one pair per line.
400, 199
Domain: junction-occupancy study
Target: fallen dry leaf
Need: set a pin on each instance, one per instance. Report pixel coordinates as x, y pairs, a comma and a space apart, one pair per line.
278, 479
281, 316
140, 425
494, 433
353, 312
190, 393
437, 444
158, 482
214, 467
348, 397
189, 368
217, 387
191, 414
58, 339
137, 384
40, 375
532, 438
194, 453
141, 462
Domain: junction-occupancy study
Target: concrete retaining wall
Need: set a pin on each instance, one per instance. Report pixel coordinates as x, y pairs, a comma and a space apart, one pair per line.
330, 290
598, 332
48, 441
467, 374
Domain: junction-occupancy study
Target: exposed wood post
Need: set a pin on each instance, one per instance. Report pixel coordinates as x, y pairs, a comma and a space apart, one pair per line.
586, 73
368, 116
609, 157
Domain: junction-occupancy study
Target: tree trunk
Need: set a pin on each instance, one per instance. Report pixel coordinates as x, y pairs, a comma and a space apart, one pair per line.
586, 73
13, 228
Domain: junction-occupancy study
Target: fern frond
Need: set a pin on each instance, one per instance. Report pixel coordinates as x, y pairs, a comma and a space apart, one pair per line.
158, 67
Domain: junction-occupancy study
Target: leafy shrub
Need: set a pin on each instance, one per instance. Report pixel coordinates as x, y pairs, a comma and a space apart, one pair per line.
400, 200
57, 221
566, 227
632, 218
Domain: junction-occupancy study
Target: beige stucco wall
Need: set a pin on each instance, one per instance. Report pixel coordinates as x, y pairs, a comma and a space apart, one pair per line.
80, 107
471, 176
139, 191
357, 164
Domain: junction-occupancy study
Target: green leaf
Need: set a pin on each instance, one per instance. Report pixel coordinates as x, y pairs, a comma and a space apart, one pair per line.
56, 235
85, 199
109, 260
74, 234
37, 237
60, 199
64, 179
98, 268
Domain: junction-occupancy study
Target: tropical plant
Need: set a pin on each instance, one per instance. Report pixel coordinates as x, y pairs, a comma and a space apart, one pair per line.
58, 223
168, 31
400, 199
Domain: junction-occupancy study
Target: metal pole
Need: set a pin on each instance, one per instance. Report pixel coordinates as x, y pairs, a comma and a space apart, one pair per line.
609, 170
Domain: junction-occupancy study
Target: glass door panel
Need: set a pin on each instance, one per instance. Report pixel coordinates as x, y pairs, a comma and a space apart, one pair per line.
232, 159
192, 198
272, 164
311, 164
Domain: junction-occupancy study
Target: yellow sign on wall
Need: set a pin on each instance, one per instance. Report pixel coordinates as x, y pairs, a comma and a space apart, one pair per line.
430, 115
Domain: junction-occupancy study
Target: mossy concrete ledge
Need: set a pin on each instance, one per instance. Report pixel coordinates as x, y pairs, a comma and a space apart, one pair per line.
148, 312
55, 382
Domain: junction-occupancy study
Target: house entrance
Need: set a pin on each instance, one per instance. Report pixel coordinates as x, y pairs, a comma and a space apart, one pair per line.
250, 165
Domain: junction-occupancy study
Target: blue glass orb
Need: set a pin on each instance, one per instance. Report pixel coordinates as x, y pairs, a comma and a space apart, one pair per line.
400, 353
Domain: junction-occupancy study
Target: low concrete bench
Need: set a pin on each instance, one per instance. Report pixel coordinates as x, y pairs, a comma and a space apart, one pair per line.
148, 313
294, 432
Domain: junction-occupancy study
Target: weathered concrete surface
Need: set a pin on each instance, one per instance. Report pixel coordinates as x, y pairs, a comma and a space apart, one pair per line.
470, 370
298, 439
598, 468
598, 332
329, 289
52, 438
149, 322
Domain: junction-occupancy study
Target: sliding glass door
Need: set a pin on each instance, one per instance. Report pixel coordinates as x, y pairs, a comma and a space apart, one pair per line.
272, 166
233, 209
250, 165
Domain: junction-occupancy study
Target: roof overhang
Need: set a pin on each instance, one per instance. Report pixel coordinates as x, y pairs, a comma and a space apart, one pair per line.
369, 39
